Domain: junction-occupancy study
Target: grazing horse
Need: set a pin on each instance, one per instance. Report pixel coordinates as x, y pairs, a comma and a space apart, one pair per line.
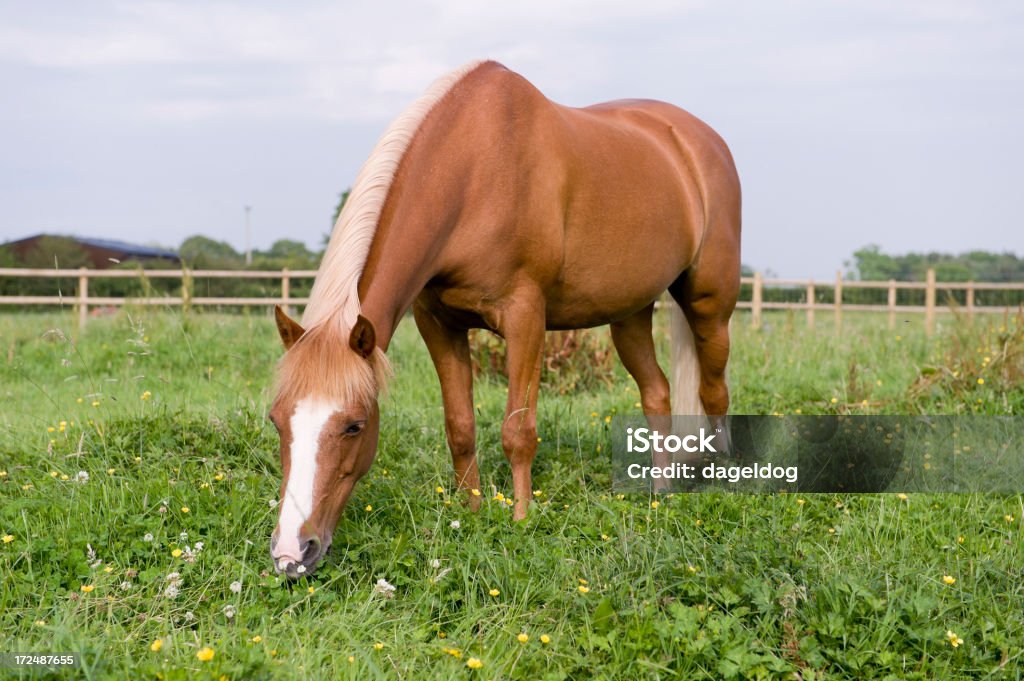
486, 205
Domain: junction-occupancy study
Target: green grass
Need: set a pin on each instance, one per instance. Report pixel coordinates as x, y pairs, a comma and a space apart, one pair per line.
700, 586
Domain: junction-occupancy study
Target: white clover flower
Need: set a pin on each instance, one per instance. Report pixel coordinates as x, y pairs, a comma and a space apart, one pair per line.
300, 569
82, 477
147, 537
272, 503
455, 524
435, 563
199, 546
126, 585
236, 587
183, 536
229, 611
189, 616
385, 588
172, 590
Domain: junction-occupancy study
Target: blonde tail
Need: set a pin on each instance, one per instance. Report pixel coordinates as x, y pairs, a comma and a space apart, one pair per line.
685, 367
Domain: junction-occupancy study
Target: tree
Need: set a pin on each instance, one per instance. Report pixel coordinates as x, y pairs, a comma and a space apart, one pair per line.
200, 252
56, 251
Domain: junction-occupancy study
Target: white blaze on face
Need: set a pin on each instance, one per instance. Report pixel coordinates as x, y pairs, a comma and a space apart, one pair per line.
297, 506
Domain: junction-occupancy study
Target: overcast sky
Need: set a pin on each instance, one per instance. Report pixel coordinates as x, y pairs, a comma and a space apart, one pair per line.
896, 123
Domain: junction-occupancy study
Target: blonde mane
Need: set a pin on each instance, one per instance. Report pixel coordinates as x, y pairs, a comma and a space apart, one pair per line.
321, 363
335, 293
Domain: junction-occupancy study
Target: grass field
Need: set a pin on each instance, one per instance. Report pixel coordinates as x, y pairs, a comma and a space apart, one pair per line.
124, 450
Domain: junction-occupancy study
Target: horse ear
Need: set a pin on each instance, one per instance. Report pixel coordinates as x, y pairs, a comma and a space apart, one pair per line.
289, 329
363, 338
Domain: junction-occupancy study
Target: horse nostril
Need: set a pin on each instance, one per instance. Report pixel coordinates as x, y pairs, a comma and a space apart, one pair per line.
310, 547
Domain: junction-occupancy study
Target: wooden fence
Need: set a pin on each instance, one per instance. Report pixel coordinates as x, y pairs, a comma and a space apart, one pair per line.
806, 288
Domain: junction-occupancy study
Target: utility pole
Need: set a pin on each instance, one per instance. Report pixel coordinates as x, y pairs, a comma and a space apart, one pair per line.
248, 237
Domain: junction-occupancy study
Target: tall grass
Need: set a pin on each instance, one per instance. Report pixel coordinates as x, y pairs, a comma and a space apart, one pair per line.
166, 417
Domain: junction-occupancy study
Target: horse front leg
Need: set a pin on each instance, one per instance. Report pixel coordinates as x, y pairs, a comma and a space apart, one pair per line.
523, 329
449, 350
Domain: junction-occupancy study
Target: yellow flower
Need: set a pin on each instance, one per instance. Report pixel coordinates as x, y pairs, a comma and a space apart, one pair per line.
537, 493
176, 553
545, 639
368, 508
902, 497
146, 395
801, 502
79, 400
439, 489
692, 568
499, 497
981, 381
3, 474
475, 492
110, 471
494, 592
655, 504
205, 654
95, 403
584, 589
831, 530
378, 646
156, 645
834, 400
87, 588
948, 579
953, 639
108, 569
50, 429
351, 659
960, 539
582, 581
184, 509
54, 474
1008, 518
454, 652
257, 638
523, 637
8, 538
605, 537
218, 477
63, 477
474, 663
310, 590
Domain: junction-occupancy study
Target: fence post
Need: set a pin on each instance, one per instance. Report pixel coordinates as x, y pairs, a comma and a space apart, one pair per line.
83, 297
892, 304
838, 301
755, 307
929, 304
286, 289
970, 301
186, 290
810, 304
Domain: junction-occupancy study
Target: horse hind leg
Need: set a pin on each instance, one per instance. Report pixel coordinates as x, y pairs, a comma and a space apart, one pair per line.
634, 342
707, 294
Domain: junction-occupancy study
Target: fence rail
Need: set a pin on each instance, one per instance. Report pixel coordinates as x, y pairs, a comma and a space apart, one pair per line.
807, 289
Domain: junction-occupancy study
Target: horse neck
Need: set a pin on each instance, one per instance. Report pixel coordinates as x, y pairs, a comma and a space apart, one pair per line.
403, 257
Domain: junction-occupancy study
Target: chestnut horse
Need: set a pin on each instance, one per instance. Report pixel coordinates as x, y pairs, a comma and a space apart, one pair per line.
486, 205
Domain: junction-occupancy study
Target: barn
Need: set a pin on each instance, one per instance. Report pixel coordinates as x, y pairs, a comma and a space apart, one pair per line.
74, 251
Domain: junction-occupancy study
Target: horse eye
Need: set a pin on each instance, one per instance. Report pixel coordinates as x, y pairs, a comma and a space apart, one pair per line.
354, 429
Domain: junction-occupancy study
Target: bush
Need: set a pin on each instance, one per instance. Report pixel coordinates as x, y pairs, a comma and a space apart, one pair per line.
581, 359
